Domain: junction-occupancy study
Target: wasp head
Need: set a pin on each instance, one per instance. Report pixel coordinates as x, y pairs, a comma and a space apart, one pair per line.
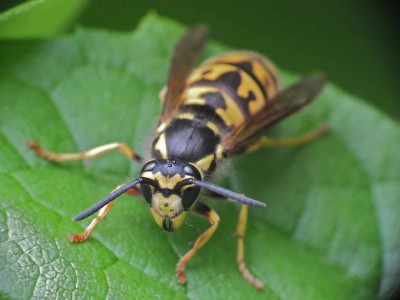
167, 187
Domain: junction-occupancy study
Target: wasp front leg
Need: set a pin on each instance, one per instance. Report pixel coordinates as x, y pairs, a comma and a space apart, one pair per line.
265, 141
213, 218
81, 237
89, 154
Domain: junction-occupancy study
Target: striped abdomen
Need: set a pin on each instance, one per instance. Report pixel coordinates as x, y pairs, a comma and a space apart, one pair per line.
222, 93
235, 86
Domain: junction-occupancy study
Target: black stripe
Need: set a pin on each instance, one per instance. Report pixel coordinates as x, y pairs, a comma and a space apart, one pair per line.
205, 114
229, 83
272, 74
246, 67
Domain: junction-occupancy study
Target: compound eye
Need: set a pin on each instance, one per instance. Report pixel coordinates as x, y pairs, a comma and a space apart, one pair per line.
192, 171
149, 166
147, 193
190, 195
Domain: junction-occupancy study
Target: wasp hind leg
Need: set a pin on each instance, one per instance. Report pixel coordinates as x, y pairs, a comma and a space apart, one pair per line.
240, 232
89, 154
213, 218
265, 141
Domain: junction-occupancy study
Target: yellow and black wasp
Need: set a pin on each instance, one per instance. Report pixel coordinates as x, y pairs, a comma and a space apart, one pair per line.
209, 114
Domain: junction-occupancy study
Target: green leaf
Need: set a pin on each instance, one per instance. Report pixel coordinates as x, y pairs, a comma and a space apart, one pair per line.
330, 229
39, 18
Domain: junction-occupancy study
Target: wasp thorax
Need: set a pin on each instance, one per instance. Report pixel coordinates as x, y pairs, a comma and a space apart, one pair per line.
168, 189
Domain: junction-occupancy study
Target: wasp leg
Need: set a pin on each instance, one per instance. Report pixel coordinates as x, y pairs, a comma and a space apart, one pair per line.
213, 218
265, 141
81, 237
92, 153
240, 231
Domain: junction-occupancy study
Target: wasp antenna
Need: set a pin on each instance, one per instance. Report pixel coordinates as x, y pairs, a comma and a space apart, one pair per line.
118, 192
228, 193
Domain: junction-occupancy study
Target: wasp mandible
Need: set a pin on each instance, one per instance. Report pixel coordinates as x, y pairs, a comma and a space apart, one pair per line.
209, 114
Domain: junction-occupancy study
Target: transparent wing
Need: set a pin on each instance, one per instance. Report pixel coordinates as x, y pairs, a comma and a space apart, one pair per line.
282, 105
186, 53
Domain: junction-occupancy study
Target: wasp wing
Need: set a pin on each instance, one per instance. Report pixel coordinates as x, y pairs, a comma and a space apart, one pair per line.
186, 53
282, 105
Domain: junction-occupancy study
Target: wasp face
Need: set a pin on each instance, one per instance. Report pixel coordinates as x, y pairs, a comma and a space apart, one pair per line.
168, 191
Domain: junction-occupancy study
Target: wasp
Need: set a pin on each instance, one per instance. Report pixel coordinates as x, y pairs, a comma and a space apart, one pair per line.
209, 114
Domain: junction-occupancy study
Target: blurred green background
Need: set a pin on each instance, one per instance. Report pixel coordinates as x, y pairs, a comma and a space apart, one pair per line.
353, 42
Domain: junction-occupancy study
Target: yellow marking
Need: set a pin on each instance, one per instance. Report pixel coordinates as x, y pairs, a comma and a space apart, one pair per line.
205, 162
156, 217
198, 170
214, 71
167, 182
183, 189
248, 85
232, 115
260, 65
147, 174
213, 68
214, 127
195, 91
168, 207
262, 68
179, 219
193, 95
161, 146
232, 57
161, 127
188, 116
196, 101
219, 152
